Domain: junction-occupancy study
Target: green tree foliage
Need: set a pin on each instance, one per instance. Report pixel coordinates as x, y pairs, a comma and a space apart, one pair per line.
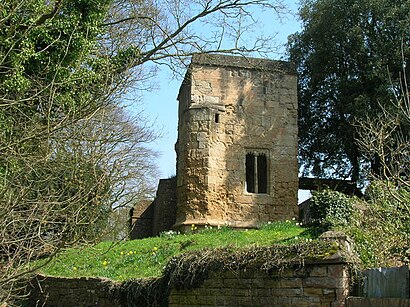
68, 153
349, 57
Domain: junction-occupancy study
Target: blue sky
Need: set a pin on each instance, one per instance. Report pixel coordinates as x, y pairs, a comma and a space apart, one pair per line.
160, 105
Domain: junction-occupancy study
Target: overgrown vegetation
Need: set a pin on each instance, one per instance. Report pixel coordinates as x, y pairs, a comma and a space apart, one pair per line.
330, 209
379, 225
147, 257
191, 269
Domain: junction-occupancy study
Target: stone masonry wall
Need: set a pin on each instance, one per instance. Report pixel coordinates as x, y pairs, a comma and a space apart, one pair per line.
141, 220
151, 218
314, 285
69, 292
228, 107
164, 206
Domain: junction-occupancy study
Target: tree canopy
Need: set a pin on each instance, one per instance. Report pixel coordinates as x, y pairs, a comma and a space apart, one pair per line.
351, 56
68, 152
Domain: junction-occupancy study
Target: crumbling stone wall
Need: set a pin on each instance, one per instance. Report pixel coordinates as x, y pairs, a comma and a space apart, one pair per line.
164, 206
152, 218
232, 111
141, 220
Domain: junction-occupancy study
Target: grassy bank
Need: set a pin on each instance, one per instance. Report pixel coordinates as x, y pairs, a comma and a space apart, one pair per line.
147, 257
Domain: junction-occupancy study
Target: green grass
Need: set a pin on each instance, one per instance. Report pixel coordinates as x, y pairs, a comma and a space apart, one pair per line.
147, 257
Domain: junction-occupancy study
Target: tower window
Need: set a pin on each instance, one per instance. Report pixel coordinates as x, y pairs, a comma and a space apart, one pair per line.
216, 117
256, 166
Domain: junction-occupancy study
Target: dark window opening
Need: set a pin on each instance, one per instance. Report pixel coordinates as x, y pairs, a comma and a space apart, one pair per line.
262, 174
265, 87
216, 117
250, 173
256, 173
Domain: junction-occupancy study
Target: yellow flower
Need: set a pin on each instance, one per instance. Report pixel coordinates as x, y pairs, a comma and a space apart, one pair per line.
75, 268
105, 263
155, 248
122, 253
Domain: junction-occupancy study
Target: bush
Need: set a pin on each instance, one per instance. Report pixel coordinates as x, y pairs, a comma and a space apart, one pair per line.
330, 209
381, 228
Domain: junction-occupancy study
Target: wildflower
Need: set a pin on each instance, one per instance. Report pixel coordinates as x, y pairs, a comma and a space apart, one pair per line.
293, 218
105, 263
155, 249
122, 253
297, 224
74, 268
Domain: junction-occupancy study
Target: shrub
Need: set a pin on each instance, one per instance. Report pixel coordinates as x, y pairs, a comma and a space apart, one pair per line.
381, 229
330, 209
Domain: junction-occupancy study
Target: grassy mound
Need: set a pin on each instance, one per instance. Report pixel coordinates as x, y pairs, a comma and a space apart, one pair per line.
147, 257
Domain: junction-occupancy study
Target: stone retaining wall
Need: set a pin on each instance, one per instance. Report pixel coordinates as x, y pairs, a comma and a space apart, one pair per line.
313, 285
61, 292
323, 283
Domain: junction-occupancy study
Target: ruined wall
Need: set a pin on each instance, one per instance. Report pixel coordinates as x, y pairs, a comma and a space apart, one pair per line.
164, 206
151, 218
141, 216
230, 107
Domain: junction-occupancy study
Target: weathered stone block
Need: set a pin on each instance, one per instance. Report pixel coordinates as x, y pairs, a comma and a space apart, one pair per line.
318, 271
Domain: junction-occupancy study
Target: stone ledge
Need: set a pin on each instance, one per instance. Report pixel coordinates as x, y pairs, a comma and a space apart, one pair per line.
243, 62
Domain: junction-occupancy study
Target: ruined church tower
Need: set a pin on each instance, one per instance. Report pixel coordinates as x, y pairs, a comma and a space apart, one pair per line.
237, 142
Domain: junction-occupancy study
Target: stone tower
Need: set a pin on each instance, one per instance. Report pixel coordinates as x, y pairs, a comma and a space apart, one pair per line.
237, 142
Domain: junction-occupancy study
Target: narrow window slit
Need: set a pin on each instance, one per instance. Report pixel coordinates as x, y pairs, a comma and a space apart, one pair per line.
256, 168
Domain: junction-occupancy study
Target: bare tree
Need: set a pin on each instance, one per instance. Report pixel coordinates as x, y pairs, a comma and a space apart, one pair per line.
68, 154
386, 141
